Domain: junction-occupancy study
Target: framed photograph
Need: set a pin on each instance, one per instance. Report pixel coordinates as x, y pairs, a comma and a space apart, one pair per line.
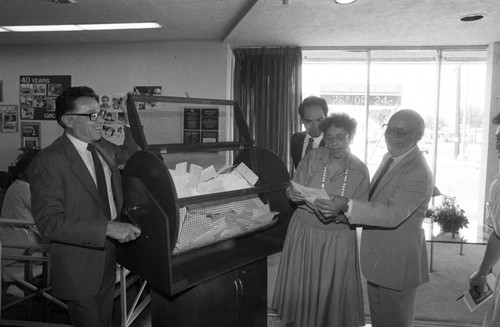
30, 135
9, 119
54, 89
30, 143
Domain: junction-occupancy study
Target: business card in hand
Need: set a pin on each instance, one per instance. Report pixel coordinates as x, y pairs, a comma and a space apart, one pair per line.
474, 298
310, 193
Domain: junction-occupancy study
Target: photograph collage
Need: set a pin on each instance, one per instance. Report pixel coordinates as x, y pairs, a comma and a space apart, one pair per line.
113, 119
38, 94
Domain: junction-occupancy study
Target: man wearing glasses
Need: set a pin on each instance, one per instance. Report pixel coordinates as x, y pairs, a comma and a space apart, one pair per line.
393, 250
76, 197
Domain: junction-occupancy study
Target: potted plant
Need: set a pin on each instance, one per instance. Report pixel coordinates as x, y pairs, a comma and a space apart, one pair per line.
448, 215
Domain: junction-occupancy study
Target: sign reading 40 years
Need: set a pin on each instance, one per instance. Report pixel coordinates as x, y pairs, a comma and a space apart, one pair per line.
38, 93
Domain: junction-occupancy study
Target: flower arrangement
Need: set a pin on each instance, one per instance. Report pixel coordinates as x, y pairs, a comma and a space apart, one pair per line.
449, 216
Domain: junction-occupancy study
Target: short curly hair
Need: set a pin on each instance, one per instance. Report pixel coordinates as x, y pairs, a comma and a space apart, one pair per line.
340, 120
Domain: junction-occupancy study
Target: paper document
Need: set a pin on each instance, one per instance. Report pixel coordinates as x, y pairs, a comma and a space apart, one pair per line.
181, 167
247, 173
194, 176
207, 173
310, 193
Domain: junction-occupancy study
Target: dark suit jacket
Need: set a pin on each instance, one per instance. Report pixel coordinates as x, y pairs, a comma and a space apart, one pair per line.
393, 250
296, 146
67, 210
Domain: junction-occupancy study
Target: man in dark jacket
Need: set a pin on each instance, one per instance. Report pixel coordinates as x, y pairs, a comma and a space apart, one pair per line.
312, 111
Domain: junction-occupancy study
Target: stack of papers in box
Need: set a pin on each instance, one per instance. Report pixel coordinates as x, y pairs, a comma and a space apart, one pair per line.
199, 181
206, 223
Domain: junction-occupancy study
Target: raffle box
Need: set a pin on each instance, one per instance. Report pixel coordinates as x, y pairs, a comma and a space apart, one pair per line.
205, 236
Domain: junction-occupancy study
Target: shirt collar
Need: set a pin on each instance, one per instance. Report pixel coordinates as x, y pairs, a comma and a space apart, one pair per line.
316, 139
401, 156
80, 145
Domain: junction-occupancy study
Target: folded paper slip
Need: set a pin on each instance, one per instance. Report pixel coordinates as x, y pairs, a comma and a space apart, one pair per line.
310, 193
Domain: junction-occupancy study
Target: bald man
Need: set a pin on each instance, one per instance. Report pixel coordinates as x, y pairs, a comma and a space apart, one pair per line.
393, 250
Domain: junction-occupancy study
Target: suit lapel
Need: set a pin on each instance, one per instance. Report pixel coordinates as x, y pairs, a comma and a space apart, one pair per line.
395, 171
79, 168
299, 146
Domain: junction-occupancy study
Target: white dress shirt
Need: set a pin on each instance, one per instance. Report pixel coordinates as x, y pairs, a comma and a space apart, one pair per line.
81, 147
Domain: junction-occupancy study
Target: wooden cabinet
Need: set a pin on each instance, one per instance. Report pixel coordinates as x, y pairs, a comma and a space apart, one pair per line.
235, 299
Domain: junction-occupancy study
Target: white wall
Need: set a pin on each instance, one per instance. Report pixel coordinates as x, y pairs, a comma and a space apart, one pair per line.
203, 69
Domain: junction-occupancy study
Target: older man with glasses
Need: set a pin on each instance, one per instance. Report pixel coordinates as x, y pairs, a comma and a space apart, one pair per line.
393, 250
76, 197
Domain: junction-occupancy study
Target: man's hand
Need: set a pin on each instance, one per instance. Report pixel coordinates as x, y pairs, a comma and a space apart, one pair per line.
332, 207
122, 232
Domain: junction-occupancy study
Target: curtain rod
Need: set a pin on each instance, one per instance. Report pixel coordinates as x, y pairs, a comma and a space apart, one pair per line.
361, 48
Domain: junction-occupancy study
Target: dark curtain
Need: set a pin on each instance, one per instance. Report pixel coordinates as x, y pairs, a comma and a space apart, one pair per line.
268, 88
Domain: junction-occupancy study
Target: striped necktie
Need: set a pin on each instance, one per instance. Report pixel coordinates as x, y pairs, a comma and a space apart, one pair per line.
383, 171
309, 145
101, 180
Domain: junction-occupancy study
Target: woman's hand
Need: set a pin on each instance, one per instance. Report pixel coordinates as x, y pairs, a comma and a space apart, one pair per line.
294, 195
478, 281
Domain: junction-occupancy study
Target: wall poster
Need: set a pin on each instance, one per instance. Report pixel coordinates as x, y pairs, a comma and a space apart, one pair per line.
114, 119
30, 135
38, 93
201, 125
9, 120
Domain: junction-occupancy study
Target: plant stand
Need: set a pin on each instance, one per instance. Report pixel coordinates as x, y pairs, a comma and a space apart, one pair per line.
452, 231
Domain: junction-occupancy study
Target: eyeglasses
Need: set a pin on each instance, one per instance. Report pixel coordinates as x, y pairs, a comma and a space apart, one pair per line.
93, 116
339, 138
397, 132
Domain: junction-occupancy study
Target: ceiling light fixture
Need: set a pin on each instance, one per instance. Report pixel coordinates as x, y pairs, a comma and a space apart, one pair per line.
42, 28
125, 26
79, 27
344, 2
472, 17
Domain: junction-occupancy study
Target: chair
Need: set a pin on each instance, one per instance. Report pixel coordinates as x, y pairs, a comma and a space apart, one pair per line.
140, 301
5, 179
27, 266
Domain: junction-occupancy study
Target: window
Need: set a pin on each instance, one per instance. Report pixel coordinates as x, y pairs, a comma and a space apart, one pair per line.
447, 87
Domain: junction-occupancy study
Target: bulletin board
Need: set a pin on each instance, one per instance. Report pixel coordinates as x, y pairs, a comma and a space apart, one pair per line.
38, 93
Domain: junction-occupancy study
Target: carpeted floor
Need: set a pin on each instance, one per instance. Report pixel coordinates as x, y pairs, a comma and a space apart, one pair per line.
436, 300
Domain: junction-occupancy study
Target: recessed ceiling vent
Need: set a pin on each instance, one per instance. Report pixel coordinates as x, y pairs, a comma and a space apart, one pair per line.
63, 2
472, 18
